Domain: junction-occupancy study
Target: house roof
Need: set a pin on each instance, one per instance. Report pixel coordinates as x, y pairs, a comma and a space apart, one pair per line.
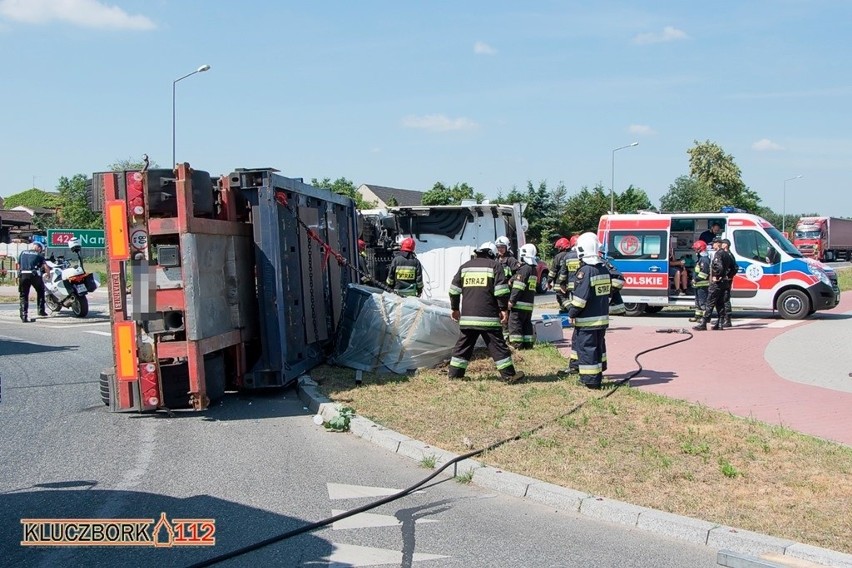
11, 217
404, 197
35, 210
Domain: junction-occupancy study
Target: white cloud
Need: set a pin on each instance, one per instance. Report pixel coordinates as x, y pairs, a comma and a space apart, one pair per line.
669, 33
438, 123
641, 129
766, 145
85, 13
482, 48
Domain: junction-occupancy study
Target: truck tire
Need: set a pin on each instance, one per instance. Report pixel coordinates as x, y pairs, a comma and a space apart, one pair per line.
106, 385
543, 281
793, 304
631, 309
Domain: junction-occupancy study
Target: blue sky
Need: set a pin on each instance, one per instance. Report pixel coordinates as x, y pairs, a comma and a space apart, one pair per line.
405, 94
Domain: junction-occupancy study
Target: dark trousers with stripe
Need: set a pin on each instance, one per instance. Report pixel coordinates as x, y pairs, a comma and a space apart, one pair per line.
590, 346
700, 301
25, 282
521, 328
495, 343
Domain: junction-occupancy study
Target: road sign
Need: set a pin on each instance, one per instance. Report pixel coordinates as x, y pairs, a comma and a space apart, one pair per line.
89, 238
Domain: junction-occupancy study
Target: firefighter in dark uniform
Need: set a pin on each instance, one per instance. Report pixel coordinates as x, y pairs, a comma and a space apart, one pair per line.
722, 269
726, 246
565, 280
561, 245
30, 268
700, 279
405, 275
362, 263
522, 299
616, 304
483, 284
589, 310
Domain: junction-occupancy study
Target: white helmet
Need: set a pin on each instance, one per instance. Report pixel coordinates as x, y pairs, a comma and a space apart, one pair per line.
528, 253
502, 242
588, 248
488, 247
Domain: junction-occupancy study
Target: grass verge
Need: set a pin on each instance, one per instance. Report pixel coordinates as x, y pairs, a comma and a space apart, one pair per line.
632, 446
844, 279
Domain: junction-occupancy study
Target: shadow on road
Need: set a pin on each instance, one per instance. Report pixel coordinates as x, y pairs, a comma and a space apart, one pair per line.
646, 377
236, 526
255, 405
15, 347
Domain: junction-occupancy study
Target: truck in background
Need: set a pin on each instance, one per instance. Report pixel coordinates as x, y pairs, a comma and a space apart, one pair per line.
827, 239
445, 237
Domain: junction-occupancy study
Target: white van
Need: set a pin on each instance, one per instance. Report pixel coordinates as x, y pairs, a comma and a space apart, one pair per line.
773, 275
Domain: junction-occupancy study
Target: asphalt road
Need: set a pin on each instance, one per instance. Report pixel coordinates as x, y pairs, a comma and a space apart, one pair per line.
257, 465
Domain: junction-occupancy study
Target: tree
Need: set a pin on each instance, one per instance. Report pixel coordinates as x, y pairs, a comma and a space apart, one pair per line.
129, 164
777, 219
633, 200
345, 187
74, 212
33, 198
440, 194
584, 209
709, 164
689, 195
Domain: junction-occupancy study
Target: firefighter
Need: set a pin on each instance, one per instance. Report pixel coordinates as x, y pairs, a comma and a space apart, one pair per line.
732, 271
700, 279
505, 257
721, 268
362, 262
405, 274
616, 304
483, 284
565, 280
522, 299
589, 310
30, 268
561, 245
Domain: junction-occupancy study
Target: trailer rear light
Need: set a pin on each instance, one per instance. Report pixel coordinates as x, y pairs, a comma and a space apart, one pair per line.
125, 350
116, 225
148, 385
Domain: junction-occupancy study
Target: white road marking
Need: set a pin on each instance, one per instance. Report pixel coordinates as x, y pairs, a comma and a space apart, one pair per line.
783, 323
343, 491
352, 555
370, 520
96, 332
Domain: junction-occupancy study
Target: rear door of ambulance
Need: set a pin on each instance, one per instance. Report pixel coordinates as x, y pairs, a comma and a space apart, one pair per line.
639, 247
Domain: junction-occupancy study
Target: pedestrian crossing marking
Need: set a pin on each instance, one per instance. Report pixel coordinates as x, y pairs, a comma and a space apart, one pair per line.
346, 555
369, 520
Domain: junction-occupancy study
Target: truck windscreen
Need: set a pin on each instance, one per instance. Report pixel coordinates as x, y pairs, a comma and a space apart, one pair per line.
807, 234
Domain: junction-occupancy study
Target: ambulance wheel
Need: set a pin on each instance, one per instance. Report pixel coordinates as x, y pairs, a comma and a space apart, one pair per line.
634, 309
654, 309
794, 305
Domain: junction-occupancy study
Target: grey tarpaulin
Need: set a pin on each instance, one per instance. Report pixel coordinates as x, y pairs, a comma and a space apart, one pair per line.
382, 331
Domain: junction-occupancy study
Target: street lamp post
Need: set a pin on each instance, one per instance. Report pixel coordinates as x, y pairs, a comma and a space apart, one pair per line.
201, 69
784, 212
612, 181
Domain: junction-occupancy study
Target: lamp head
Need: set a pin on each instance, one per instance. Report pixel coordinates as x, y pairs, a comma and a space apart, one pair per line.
203, 68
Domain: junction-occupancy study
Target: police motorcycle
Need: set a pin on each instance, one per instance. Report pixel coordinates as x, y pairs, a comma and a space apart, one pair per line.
66, 285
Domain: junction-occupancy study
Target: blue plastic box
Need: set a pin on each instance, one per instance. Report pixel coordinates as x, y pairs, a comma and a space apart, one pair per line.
566, 321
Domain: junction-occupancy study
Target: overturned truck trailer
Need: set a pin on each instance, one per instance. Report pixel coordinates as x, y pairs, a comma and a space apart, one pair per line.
235, 282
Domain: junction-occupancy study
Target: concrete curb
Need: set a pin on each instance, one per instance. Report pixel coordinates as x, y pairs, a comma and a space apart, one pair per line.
718, 537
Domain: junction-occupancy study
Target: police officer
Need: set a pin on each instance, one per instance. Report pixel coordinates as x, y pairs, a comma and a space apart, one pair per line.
561, 245
505, 257
405, 275
30, 268
522, 299
589, 310
700, 279
483, 284
722, 269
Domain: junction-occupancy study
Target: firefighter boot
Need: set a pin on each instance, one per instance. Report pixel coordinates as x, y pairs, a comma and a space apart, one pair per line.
727, 322
516, 377
717, 325
702, 325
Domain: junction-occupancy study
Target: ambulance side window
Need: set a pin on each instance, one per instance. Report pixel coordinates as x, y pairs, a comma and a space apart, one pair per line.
753, 245
637, 245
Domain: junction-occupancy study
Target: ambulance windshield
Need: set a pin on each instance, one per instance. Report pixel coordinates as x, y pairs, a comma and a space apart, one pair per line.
783, 243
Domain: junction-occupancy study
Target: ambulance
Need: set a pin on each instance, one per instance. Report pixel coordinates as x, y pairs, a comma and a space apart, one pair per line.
773, 274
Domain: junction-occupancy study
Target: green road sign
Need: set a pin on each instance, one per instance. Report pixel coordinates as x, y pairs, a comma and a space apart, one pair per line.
89, 238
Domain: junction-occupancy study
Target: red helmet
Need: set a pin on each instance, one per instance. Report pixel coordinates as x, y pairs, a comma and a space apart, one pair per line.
573, 242
699, 246
407, 245
362, 245
561, 243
